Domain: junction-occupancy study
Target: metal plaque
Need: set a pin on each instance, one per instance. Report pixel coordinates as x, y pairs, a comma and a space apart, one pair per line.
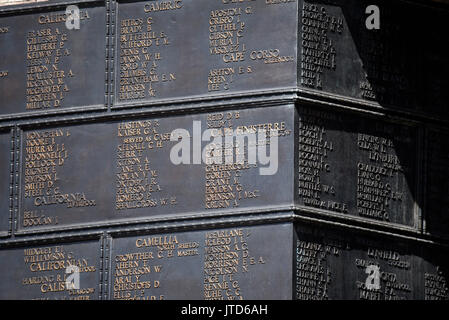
202, 48
5, 181
65, 176
341, 264
48, 65
218, 264
342, 52
103, 172
69, 271
437, 191
353, 165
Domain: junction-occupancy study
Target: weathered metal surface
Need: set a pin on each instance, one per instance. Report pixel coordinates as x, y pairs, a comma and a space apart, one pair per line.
400, 65
437, 188
355, 165
40, 272
115, 171
46, 67
341, 264
202, 48
5, 181
226, 50
354, 113
216, 264
65, 177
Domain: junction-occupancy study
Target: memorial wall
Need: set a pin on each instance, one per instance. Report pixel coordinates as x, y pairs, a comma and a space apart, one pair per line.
223, 150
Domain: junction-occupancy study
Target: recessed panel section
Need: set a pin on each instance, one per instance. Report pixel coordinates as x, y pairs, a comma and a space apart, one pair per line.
157, 167
357, 166
66, 175
437, 202
66, 271
219, 264
227, 48
339, 264
50, 63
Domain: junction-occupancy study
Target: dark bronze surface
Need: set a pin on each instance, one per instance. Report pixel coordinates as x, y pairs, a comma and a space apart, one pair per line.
202, 48
116, 171
217, 264
400, 65
355, 165
228, 49
50, 67
335, 264
39, 272
437, 200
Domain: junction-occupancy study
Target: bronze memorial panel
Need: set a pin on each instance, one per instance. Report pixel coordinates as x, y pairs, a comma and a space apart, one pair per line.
103, 172
46, 66
343, 264
437, 188
217, 264
202, 48
46, 271
354, 165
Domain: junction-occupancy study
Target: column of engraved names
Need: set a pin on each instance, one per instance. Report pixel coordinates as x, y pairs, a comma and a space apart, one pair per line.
313, 272
226, 32
234, 154
46, 270
137, 179
318, 52
46, 52
315, 146
141, 43
46, 153
223, 171
142, 273
376, 188
226, 257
